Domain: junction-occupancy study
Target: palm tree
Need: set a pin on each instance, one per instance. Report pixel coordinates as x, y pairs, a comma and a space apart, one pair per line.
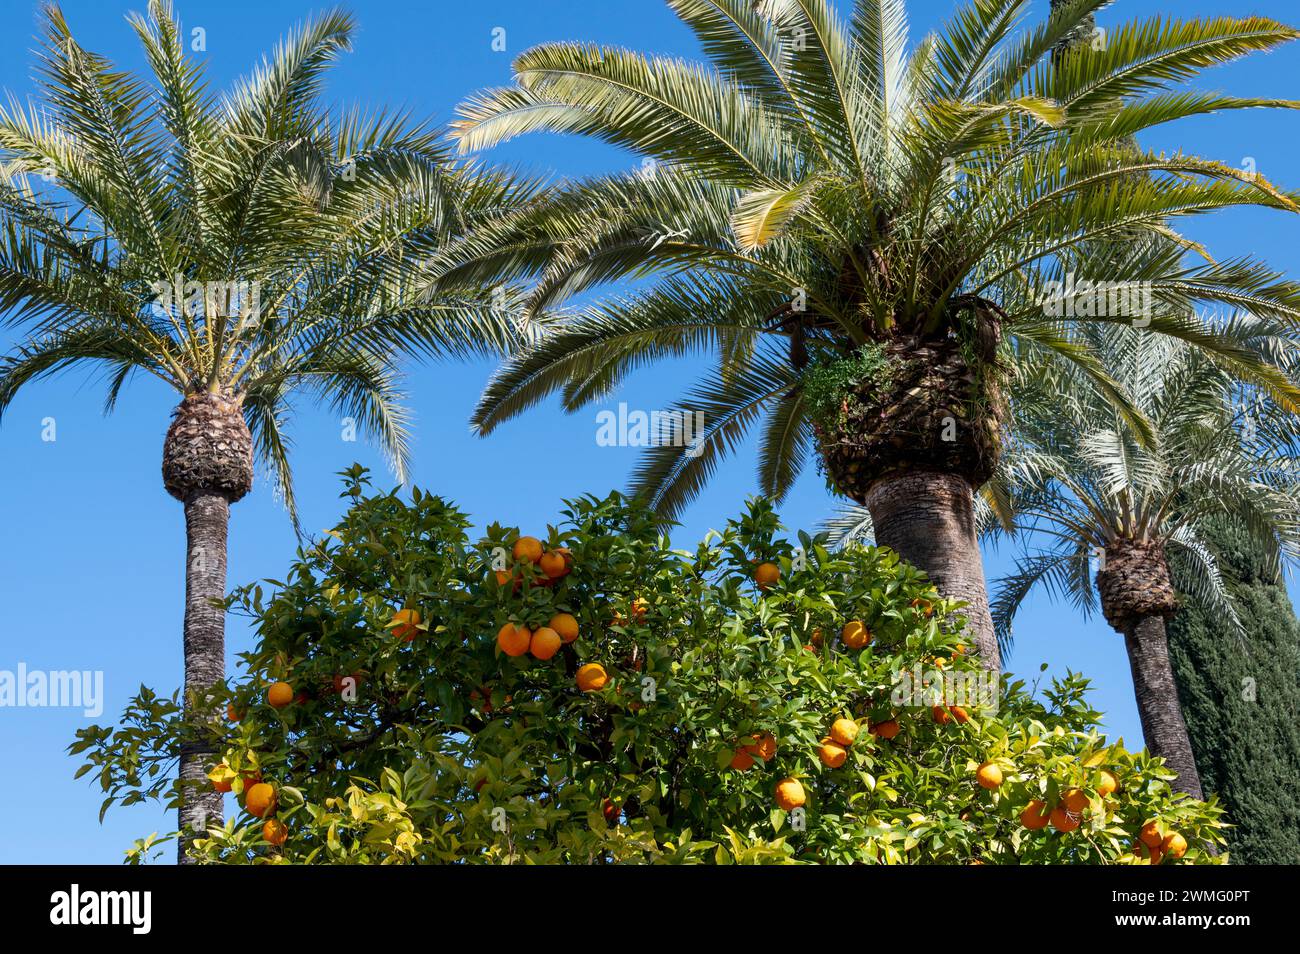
1089, 490
240, 249
864, 235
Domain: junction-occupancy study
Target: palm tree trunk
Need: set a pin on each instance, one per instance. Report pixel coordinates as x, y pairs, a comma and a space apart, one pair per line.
1157, 700
207, 520
928, 518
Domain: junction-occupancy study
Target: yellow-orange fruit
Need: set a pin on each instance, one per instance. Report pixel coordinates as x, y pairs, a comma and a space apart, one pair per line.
742, 761
767, 574
960, 714
1150, 834
1035, 816
275, 832
527, 550
854, 634
844, 732
790, 794
279, 695
1107, 784
989, 775
832, 753
885, 730
1075, 800
259, 801
545, 643
1062, 820
592, 677
940, 715
514, 640
763, 746
408, 621
1174, 844
565, 625
553, 564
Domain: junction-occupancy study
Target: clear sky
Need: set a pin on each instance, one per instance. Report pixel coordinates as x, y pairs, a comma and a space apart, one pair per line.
91, 565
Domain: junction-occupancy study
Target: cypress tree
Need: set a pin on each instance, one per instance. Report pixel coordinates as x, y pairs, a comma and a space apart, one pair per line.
1241, 699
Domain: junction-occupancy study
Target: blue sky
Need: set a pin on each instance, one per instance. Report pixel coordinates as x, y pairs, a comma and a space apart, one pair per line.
91, 573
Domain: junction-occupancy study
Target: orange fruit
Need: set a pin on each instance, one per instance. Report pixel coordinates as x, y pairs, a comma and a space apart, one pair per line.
350, 681
832, 753
565, 625
279, 695
885, 730
527, 550
844, 732
592, 677
1174, 844
407, 620
855, 634
514, 640
545, 643
1035, 816
231, 713
1075, 800
766, 574
940, 715
742, 761
989, 775
1150, 834
764, 746
1157, 855
553, 564
639, 606
223, 786
790, 794
1062, 820
259, 801
816, 638
275, 832
610, 810
960, 714
1107, 784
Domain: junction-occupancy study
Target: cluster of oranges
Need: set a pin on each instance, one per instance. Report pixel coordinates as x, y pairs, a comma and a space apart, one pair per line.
552, 565
1067, 814
834, 748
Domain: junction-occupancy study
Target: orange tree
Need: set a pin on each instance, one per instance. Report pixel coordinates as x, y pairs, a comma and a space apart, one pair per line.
592, 695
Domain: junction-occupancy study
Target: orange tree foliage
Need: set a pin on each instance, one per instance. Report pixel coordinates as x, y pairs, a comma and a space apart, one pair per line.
439, 748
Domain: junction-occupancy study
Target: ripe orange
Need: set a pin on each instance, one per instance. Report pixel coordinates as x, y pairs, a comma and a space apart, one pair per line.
832, 753
1035, 816
1107, 784
789, 794
231, 713
407, 620
844, 732
940, 715
989, 775
741, 760
223, 786
1062, 820
553, 564
885, 730
279, 695
275, 832
545, 643
592, 677
1150, 834
514, 640
527, 549
1075, 800
766, 574
1174, 844
639, 607
763, 747
565, 625
259, 801
610, 810
855, 634
960, 714
816, 638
